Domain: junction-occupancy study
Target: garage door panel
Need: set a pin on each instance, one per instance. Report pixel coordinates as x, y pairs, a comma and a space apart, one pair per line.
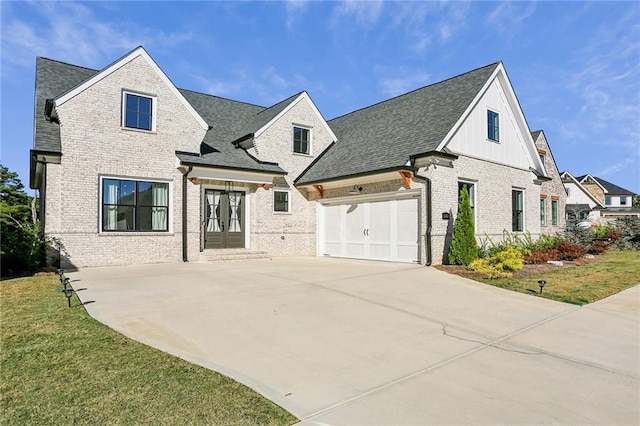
380, 230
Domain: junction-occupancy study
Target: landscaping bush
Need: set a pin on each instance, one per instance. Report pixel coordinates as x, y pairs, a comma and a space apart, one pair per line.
541, 255
500, 265
569, 251
628, 229
598, 247
464, 247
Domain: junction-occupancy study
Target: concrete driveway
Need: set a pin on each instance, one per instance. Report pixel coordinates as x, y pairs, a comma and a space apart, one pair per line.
354, 342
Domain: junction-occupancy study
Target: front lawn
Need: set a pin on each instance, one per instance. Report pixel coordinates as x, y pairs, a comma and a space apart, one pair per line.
60, 366
578, 283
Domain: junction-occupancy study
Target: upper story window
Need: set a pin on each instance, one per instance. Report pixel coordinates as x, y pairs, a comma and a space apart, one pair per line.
129, 205
623, 200
137, 111
301, 140
542, 157
607, 200
493, 126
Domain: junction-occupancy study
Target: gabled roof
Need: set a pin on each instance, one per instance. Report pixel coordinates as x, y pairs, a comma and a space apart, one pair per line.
387, 135
568, 177
138, 52
608, 187
582, 178
226, 118
52, 79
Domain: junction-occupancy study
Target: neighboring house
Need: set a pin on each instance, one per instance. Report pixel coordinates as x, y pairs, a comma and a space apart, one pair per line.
131, 169
553, 196
595, 200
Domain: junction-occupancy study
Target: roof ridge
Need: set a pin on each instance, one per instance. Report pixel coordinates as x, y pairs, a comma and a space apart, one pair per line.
223, 98
67, 63
281, 102
418, 89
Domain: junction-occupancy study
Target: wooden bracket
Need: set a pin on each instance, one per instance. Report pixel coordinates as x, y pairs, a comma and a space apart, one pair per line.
406, 177
319, 190
265, 185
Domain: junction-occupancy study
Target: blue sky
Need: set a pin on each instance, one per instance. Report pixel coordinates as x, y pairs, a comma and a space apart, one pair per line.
575, 66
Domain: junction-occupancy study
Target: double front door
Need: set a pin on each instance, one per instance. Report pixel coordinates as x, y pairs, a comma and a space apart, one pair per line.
224, 219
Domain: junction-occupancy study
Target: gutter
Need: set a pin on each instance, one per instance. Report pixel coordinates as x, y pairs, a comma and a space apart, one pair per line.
184, 214
427, 239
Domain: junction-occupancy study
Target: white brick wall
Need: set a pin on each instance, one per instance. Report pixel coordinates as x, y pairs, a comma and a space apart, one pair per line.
94, 145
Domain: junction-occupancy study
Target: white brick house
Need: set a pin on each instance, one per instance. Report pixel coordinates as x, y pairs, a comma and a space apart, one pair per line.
131, 169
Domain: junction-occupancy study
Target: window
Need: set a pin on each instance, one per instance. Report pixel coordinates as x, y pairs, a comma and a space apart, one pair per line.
301, 140
554, 212
543, 211
517, 208
493, 124
542, 157
471, 189
138, 112
623, 200
607, 200
129, 205
281, 201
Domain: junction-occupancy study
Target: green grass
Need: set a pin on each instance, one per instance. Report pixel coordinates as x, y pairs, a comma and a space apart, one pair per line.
616, 271
60, 366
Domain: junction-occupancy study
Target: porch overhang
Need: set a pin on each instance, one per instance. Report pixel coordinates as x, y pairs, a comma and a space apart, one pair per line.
232, 175
357, 179
433, 158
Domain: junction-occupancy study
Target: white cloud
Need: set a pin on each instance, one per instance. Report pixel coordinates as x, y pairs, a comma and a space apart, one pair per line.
365, 13
396, 81
509, 16
295, 11
71, 32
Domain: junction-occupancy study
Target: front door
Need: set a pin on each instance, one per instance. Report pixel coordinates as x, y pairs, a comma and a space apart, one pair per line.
224, 219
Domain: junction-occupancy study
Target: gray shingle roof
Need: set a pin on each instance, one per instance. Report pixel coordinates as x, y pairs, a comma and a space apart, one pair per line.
386, 135
227, 118
613, 189
265, 116
52, 79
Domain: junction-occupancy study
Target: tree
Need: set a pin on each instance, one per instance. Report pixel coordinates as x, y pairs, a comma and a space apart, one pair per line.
636, 201
464, 247
21, 248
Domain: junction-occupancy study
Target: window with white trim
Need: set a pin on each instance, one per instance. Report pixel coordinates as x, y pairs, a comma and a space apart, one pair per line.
493, 126
131, 205
623, 200
281, 201
607, 200
517, 210
137, 111
301, 140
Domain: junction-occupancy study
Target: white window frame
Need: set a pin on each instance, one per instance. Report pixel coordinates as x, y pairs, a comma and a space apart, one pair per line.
472, 197
495, 111
622, 197
273, 198
524, 209
169, 182
123, 110
310, 130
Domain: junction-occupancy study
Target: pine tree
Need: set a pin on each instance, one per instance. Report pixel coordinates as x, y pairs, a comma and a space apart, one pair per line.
464, 248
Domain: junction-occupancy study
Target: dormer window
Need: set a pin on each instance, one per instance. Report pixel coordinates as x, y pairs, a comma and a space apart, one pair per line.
138, 111
301, 140
493, 126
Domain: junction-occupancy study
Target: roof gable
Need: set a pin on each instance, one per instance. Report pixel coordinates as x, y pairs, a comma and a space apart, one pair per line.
566, 176
389, 134
588, 177
611, 188
499, 75
137, 52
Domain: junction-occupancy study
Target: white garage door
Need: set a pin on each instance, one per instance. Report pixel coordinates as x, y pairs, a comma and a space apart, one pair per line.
380, 230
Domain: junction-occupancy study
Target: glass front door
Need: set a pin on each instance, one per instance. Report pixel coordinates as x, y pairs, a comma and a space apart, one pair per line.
224, 219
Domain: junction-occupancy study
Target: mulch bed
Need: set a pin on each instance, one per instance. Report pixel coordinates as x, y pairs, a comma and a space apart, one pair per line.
524, 272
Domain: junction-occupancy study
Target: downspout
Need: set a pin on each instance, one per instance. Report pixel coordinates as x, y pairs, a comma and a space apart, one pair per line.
427, 240
184, 214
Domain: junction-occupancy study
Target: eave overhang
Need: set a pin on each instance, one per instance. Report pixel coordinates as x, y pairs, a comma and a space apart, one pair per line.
433, 158
37, 160
357, 178
231, 174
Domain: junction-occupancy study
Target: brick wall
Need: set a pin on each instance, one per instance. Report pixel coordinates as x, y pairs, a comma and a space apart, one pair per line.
94, 144
552, 190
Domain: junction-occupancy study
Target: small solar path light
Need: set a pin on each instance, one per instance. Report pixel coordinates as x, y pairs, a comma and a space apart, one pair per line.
68, 292
541, 284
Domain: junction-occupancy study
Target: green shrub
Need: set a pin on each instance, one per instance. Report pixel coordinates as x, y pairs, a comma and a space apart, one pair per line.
501, 264
628, 231
464, 248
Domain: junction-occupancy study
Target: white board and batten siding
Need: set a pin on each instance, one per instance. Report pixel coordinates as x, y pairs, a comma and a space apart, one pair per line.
374, 230
472, 138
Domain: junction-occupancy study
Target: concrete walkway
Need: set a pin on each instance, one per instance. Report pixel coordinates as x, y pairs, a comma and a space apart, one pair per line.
353, 342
